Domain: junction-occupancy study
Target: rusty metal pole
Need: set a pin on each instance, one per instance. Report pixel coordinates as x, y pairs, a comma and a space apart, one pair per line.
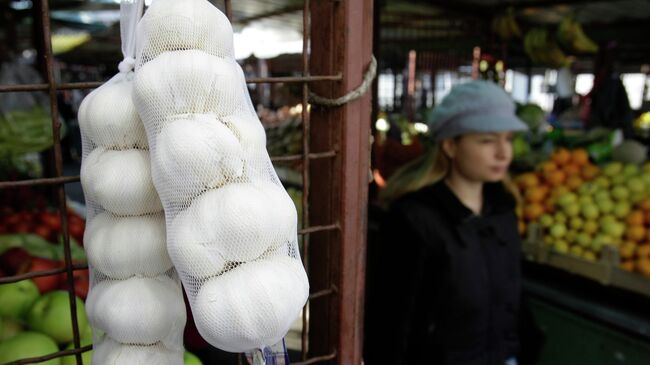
341, 39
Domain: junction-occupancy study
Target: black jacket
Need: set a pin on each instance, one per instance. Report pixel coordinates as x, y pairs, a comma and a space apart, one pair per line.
444, 283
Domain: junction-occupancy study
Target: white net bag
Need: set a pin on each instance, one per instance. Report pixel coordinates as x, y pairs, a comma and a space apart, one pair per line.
135, 304
231, 226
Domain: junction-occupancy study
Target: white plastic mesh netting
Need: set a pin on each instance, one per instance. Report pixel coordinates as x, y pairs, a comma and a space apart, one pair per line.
135, 304
231, 226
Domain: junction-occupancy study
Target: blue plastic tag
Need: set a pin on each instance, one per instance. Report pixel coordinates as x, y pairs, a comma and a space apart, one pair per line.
270, 355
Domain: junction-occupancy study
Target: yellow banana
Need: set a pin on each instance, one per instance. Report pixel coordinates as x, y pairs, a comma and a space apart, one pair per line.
571, 35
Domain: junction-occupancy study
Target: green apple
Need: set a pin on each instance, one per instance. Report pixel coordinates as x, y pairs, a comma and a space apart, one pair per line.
576, 250
571, 235
590, 211
548, 240
16, 298
561, 246
583, 239
607, 218
585, 199
590, 227
589, 255
614, 229
576, 223
191, 359
588, 188
612, 169
619, 180
567, 199
572, 210
622, 209
620, 193
558, 230
28, 344
599, 241
50, 314
631, 170
560, 217
602, 182
636, 185
86, 357
606, 206
546, 220
9, 327
601, 195
637, 198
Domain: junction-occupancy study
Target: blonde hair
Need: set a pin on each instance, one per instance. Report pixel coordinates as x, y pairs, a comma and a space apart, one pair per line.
428, 169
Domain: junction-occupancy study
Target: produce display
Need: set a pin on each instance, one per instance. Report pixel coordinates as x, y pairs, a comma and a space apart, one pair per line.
231, 226
582, 207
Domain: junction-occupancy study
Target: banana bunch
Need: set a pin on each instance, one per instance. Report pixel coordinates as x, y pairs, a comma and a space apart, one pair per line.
505, 25
573, 38
543, 50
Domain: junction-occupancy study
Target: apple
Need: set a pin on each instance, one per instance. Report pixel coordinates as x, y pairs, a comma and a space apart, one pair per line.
620, 192
45, 283
50, 314
590, 227
546, 220
599, 241
81, 283
606, 206
622, 209
636, 185
612, 169
589, 255
560, 217
571, 235
28, 344
576, 223
9, 327
602, 182
631, 170
558, 230
15, 260
590, 211
190, 359
587, 189
583, 239
577, 250
614, 229
585, 199
548, 240
567, 199
85, 356
17, 298
602, 195
561, 246
572, 210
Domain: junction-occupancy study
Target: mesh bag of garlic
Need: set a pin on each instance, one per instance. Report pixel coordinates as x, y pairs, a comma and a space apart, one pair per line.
135, 303
231, 226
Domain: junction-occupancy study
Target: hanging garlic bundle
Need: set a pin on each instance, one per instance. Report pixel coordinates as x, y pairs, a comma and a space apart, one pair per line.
135, 303
231, 227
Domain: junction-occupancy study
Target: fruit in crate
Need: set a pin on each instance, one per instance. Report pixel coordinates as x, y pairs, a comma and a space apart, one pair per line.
50, 314
635, 251
28, 344
17, 298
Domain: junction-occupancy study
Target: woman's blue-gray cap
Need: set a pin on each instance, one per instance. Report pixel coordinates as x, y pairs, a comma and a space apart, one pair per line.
474, 107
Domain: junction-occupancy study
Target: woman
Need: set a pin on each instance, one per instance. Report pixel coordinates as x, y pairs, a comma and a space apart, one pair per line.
445, 285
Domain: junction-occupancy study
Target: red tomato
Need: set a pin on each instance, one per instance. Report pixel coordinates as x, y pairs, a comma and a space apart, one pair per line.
52, 220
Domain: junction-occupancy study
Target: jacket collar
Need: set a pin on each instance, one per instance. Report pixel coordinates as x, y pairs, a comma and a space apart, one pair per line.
496, 200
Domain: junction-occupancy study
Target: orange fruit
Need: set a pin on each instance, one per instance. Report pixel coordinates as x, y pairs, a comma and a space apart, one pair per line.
533, 211
627, 249
636, 218
574, 182
561, 156
536, 194
522, 227
559, 190
580, 157
643, 266
548, 167
590, 172
645, 205
549, 205
556, 178
527, 180
643, 251
627, 265
635, 233
571, 169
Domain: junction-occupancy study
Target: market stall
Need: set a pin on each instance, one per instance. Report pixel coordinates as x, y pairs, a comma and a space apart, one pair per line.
578, 72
